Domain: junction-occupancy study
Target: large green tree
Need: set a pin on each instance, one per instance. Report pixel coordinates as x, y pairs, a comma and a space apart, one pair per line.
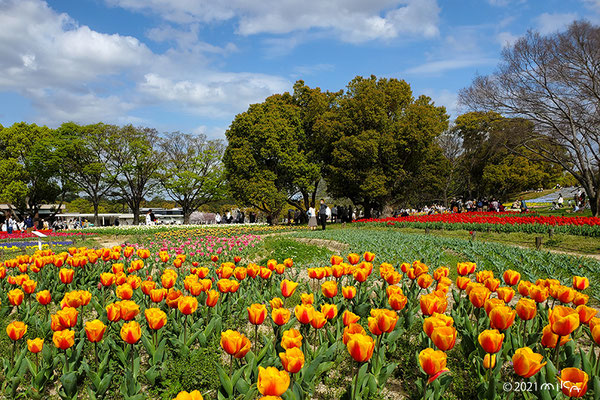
377, 140
192, 172
87, 160
134, 160
31, 167
266, 160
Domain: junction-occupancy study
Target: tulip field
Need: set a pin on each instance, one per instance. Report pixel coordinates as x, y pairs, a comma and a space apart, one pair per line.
393, 316
495, 222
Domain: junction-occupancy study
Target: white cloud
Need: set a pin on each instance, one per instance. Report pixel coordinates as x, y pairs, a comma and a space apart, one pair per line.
351, 20
216, 94
550, 23
441, 66
304, 70
444, 98
506, 39
71, 72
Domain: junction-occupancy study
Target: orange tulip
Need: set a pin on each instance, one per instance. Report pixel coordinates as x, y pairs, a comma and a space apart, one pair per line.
193, 395
433, 362
288, 288
502, 317
397, 301
291, 338
304, 313
43, 297
431, 303
318, 320
526, 363
352, 329
155, 317
524, 288
95, 330
491, 340
478, 296
272, 382
462, 282
157, 295
280, 316
336, 260
573, 382
349, 318
511, 277
526, 308
505, 294
360, 347
538, 293
15, 297
172, 298
465, 268
329, 289
29, 286
595, 333
585, 313
348, 292
16, 330
565, 294
36, 345
68, 317
329, 311
444, 337
124, 291
306, 298
257, 313
563, 320
187, 305
131, 332
276, 302
63, 339
550, 339
353, 258
385, 320
107, 279
66, 275
430, 323
424, 281
212, 296
129, 310
235, 343
580, 282
292, 360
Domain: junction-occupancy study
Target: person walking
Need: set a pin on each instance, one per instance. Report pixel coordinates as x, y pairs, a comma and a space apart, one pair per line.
560, 200
323, 213
312, 218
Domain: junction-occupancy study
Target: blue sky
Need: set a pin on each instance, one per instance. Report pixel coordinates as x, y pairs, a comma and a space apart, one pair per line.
192, 65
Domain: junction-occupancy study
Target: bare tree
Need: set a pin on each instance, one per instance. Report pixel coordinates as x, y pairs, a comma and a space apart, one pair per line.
553, 81
134, 159
452, 147
192, 172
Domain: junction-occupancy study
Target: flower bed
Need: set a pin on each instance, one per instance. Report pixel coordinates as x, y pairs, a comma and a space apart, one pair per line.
47, 232
118, 322
496, 222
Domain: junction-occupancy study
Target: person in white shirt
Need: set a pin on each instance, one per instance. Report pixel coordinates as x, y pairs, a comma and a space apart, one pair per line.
312, 218
218, 218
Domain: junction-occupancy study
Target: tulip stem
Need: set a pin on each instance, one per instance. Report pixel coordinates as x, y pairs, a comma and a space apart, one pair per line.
132, 360
12, 354
255, 338
231, 366
556, 353
524, 335
185, 330
95, 354
355, 387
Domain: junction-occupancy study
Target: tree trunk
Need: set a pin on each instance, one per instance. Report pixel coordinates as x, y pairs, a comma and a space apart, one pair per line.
186, 215
96, 219
595, 204
136, 215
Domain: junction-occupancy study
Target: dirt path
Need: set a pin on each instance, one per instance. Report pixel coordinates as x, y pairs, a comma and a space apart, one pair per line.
331, 245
